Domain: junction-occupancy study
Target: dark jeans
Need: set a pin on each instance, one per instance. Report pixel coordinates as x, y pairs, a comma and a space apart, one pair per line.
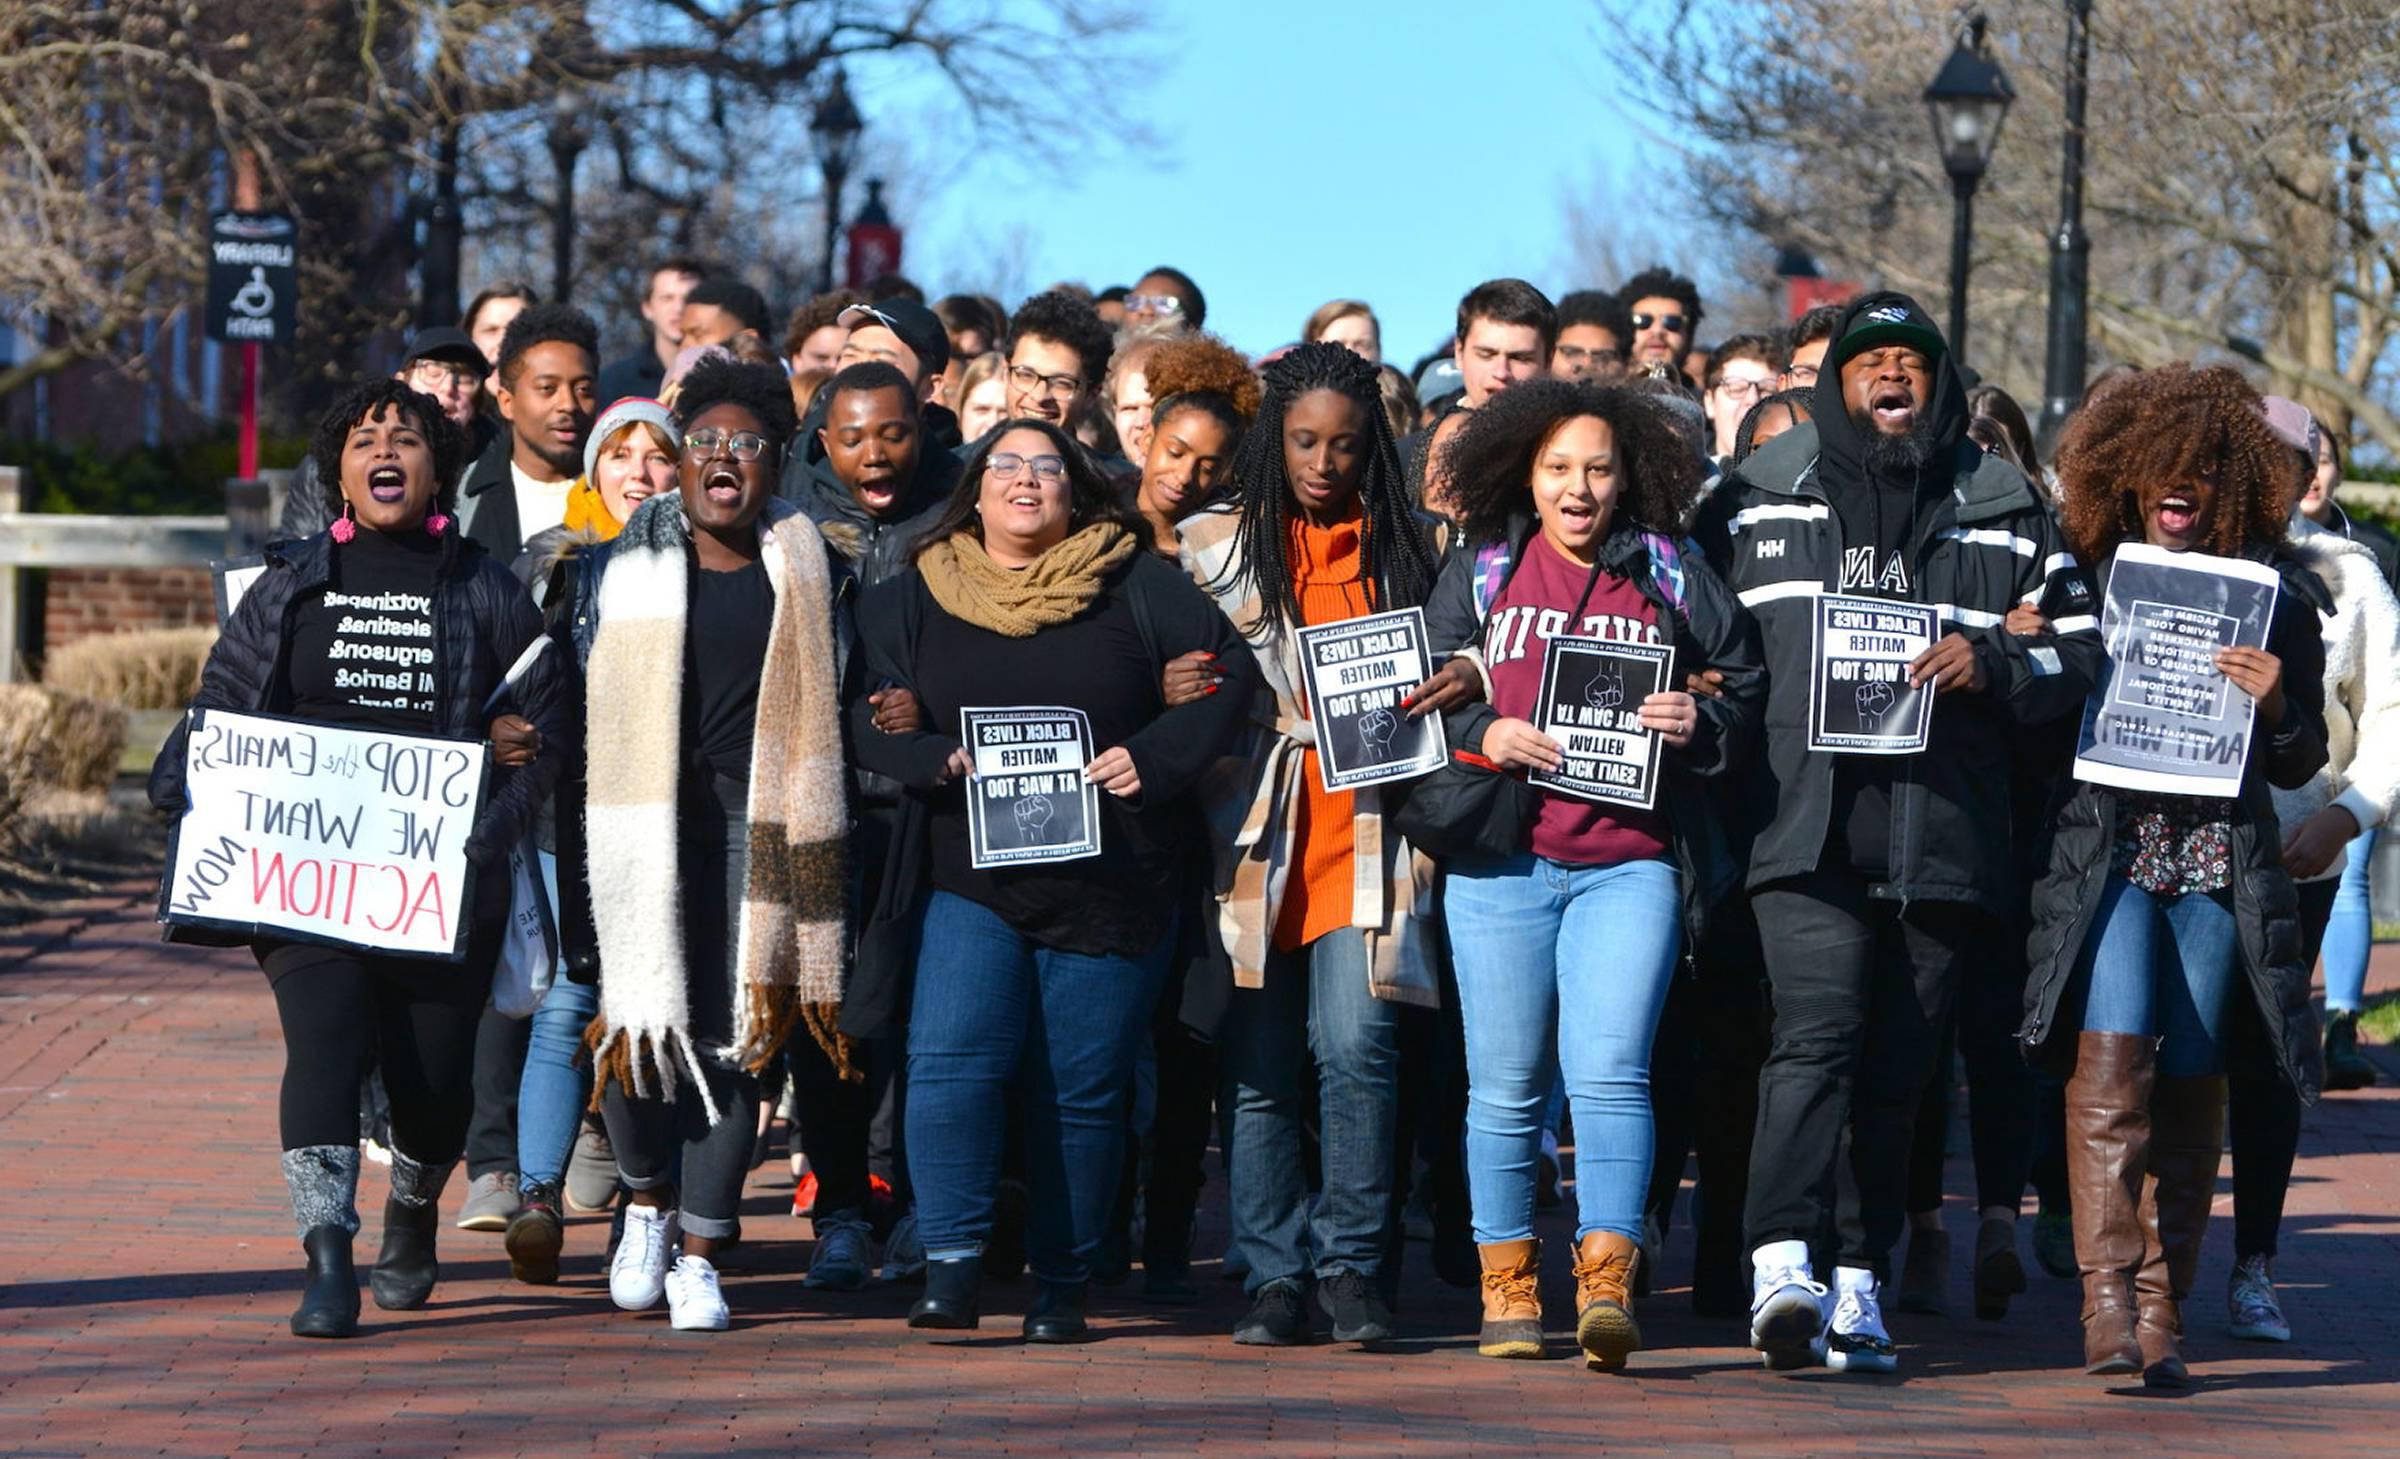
2263, 1108
831, 1115
345, 1011
1704, 1067
2001, 1097
1314, 1013
500, 1046
992, 1009
1178, 1142
1863, 990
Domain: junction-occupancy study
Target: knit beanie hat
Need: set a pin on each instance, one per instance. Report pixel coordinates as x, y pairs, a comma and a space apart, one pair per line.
2292, 424
631, 410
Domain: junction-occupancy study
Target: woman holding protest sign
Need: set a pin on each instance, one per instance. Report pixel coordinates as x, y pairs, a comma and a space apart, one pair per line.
389, 622
1586, 616
1319, 905
2159, 907
715, 815
1031, 635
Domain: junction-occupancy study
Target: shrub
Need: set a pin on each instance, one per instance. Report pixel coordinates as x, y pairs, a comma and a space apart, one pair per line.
153, 668
54, 740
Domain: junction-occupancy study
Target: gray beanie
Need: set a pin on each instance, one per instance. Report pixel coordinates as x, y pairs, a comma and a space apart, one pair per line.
633, 409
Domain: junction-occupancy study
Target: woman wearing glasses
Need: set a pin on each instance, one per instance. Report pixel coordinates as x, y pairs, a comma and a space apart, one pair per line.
1035, 589
716, 813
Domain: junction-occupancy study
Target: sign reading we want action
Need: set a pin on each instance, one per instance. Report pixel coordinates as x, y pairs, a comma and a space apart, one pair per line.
324, 834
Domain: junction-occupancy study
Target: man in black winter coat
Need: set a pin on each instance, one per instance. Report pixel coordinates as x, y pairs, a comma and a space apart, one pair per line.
1875, 875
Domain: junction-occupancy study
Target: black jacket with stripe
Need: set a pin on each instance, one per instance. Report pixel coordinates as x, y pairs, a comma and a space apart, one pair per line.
1987, 545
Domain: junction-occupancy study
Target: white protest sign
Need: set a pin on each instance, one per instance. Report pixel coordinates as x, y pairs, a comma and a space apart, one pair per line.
2162, 716
324, 834
1591, 702
1355, 673
1860, 700
1027, 800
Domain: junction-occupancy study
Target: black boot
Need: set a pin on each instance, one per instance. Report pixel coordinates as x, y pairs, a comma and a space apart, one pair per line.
329, 1304
407, 1268
1057, 1315
953, 1290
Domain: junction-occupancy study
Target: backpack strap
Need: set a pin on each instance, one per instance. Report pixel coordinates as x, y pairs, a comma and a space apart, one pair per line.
1492, 569
1666, 568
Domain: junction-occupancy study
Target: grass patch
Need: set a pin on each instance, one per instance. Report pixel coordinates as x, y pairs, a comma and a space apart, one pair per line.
2379, 1021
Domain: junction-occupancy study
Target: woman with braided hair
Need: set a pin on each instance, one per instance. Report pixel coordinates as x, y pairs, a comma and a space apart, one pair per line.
1317, 900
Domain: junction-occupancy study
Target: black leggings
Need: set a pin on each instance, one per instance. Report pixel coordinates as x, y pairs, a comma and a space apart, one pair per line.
345, 1011
2002, 1101
2264, 1108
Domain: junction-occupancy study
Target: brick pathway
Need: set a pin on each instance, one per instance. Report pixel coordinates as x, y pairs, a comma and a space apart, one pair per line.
147, 1266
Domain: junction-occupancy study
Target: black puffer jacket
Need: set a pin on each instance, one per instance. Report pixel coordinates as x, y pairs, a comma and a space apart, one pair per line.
482, 621
1709, 630
2082, 836
1981, 547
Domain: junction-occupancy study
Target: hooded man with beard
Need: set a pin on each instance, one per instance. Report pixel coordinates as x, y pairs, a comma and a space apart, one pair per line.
1874, 876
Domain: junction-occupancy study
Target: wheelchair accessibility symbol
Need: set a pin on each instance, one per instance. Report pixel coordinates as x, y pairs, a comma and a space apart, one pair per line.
255, 298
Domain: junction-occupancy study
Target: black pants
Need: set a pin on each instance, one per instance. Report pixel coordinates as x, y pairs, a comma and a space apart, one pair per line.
344, 1012
1863, 991
500, 1045
2264, 1109
833, 1116
1704, 1071
1187, 1070
2002, 1104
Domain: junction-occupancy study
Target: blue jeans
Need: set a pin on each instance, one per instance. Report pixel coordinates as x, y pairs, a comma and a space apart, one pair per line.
1314, 1012
2165, 968
1562, 971
993, 1007
2350, 934
552, 1094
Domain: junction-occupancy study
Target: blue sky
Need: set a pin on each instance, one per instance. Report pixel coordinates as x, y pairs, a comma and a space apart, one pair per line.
1391, 150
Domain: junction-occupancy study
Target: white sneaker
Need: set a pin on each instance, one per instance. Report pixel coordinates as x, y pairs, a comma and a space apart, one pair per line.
1787, 1306
840, 1263
637, 1272
1859, 1343
2255, 1312
904, 1250
694, 1301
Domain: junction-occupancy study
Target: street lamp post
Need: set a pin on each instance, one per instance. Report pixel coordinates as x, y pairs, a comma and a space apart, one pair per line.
835, 126
568, 137
2070, 248
1969, 99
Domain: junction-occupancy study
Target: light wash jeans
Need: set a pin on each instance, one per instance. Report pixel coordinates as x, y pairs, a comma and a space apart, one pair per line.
1562, 971
2350, 934
553, 1090
2163, 967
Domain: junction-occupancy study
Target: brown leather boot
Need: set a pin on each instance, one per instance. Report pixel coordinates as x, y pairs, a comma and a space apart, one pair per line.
2108, 1158
1512, 1299
1604, 1325
2187, 1142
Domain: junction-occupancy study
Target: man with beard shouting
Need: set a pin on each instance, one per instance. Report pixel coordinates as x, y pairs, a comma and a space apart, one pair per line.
1875, 876
549, 370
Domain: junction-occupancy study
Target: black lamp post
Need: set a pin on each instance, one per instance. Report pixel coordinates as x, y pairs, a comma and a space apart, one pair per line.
1969, 100
568, 137
2070, 248
835, 126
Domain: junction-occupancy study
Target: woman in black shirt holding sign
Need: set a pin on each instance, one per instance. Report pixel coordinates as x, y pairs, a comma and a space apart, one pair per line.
1568, 499
388, 621
2158, 908
1035, 590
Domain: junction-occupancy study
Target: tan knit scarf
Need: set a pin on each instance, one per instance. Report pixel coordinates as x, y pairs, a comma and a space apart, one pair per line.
1020, 602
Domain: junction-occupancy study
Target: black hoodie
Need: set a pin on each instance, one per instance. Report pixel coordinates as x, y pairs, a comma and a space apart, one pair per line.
1978, 542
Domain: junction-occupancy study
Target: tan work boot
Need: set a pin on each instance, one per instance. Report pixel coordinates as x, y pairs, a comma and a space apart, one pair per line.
1512, 1299
1604, 1325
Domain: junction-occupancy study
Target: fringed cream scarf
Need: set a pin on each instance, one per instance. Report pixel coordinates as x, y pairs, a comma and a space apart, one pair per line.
792, 929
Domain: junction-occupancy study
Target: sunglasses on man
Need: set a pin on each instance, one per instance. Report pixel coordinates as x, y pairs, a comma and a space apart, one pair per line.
1671, 323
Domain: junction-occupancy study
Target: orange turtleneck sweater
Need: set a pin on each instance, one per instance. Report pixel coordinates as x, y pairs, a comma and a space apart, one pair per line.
1329, 579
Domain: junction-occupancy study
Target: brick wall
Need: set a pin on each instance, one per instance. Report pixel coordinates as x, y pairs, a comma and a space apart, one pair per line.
82, 601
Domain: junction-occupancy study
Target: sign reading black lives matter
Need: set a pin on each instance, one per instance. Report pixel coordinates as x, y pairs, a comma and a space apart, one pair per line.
1860, 700
1027, 800
2162, 716
323, 834
253, 277
1592, 693
1355, 673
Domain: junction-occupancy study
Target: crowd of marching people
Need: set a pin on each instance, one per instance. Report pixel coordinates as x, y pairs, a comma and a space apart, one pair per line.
758, 626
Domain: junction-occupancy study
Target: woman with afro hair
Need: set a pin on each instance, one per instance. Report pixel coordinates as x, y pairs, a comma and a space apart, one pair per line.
1569, 497
1205, 395
2156, 909
1317, 895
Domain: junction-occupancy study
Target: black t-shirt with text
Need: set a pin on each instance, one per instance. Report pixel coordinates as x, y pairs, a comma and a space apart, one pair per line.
362, 652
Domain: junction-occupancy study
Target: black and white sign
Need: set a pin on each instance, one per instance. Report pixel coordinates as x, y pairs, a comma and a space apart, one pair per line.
1027, 800
1355, 673
1860, 700
2162, 717
1592, 693
234, 577
323, 834
253, 277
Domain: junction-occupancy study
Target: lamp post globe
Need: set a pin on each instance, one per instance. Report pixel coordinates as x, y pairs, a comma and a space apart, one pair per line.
834, 126
1968, 100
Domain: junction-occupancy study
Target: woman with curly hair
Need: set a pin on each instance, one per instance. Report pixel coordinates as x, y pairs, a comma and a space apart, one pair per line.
2158, 909
391, 576
1569, 497
1317, 898
1206, 394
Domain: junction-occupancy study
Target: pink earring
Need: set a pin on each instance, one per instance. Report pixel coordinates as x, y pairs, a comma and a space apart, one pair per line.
437, 524
344, 526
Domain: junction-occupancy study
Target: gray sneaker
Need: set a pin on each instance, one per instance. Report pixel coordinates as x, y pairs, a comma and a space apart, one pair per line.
2255, 1313
491, 1202
591, 1185
903, 1252
840, 1263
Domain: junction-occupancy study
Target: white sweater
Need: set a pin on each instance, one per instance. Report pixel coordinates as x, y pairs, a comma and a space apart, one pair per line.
2362, 687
